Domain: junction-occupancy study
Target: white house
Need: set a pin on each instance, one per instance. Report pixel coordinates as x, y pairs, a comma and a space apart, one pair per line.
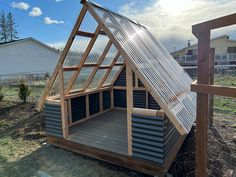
225, 52
27, 55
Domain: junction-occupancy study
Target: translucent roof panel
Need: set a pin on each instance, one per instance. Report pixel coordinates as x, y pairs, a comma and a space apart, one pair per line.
121, 59
97, 50
88, 24
112, 75
76, 51
55, 90
110, 56
81, 78
97, 78
169, 83
67, 77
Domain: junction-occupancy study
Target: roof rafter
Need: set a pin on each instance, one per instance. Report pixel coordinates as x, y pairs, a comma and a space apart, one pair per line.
62, 58
86, 85
85, 55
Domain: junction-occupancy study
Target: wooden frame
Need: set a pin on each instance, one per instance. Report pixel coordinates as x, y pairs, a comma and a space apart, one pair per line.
204, 87
66, 95
62, 58
129, 95
137, 71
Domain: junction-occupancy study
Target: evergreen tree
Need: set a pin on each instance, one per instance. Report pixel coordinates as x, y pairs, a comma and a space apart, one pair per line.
11, 27
3, 27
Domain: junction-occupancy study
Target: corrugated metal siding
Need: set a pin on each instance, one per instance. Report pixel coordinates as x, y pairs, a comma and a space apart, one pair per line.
106, 98
53, 123
139, 99
152, 104
120, 98
121, 80
78, 108
94, 105
152, 137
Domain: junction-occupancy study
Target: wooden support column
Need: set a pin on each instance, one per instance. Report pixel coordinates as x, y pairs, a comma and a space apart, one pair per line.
129, 94
64, 117
202, 104
212, 72
87, 105
112, 98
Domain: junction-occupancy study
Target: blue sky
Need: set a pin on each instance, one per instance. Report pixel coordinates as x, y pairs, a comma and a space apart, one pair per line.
170, 20
65, 12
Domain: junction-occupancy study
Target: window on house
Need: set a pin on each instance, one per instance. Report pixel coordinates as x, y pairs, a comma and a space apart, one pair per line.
232, 49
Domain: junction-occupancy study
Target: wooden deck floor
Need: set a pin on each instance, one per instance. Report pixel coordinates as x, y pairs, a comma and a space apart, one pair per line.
107, 131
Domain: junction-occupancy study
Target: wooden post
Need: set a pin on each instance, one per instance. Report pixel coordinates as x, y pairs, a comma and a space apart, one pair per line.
202, 104
87, 105
212, 72
64, 117
129, 96
112, 98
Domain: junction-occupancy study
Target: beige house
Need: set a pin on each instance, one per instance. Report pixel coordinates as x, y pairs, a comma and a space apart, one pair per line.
225, 52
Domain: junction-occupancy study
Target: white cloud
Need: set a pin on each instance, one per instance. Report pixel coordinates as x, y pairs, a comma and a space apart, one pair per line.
50, 21
36, 11
171, 19
20, 5
59, 0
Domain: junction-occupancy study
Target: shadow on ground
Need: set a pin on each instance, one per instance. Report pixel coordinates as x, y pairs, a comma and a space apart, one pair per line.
49, 161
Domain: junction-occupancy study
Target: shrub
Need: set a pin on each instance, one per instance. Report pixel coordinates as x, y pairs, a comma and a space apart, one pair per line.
24, 91
1, 94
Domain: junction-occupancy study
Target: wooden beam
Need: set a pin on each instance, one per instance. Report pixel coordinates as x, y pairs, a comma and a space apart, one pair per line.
213, 24
64, 117
69, 111
109, 70
214, 90
89, 80
83, 59
83, 93
62, 58
137, 71
148, 112
87, 105
129, 97
211, 73
202, 105
87, 34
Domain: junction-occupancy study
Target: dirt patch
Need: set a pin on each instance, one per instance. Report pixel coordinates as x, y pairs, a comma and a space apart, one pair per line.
22, 154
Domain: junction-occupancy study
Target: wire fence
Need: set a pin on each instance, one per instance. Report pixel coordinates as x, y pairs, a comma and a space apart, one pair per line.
222, 134
35, 80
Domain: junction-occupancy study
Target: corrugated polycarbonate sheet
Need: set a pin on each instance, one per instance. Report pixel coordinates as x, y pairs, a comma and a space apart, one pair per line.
156, 65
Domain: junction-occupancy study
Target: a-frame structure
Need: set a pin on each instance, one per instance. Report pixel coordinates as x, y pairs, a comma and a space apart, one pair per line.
104, 49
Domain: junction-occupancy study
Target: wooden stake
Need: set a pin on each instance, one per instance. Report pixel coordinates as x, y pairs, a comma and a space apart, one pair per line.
129, 85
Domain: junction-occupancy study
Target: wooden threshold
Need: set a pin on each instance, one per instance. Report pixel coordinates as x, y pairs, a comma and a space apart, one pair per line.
137, 164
